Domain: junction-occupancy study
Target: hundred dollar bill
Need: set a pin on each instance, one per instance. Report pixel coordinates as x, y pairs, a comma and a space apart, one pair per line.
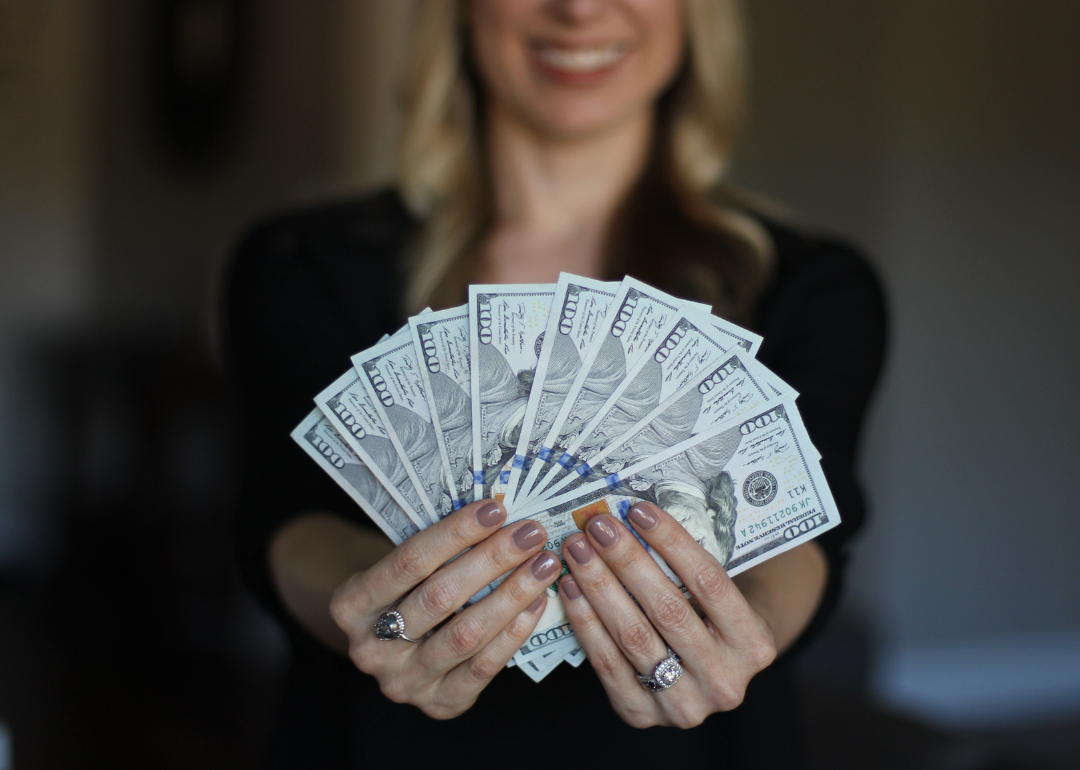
693, 344
506, 326
576, 318
316, 437
442, 344
552, 612
729, 386
538, 670
390, 373
542, 644
639, 315
737, 336
348, 407
544, 658
543, 665
746, 490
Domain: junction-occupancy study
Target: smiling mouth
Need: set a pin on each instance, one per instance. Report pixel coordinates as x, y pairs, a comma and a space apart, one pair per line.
581, 60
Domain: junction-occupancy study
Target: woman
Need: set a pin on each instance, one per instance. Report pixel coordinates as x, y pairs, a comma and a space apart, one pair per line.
543, 135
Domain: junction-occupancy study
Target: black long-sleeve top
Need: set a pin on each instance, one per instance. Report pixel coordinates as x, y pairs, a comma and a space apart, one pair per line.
311, 288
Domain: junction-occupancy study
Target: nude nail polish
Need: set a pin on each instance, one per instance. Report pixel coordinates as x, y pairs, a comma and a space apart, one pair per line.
528, 536
580, 551
604, 531
545, 567
535, 605
490, 514
569, 588
642, 517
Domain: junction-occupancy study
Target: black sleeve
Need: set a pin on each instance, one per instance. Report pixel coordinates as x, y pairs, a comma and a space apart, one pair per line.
288, 334
824, 328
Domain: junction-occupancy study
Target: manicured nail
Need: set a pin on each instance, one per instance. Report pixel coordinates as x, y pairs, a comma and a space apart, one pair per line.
580, 550
545, 567
604, 531
569, 588
528, 536
642, 517
490, 514
535, 605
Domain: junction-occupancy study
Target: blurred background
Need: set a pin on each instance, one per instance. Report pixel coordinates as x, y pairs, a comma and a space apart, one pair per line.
138, 138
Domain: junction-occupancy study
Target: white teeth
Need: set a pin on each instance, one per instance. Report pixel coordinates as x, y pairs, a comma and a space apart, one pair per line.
581, 59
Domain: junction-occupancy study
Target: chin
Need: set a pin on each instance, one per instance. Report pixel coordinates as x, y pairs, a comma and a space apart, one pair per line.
585, 119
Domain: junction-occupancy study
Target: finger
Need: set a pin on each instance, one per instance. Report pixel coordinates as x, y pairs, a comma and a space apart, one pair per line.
470, 676
474, 628
704, 576
624, 620
451, 586
412, 562
664, 604
618, 676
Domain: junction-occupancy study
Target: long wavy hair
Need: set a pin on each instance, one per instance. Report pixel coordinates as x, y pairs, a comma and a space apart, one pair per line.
678, 228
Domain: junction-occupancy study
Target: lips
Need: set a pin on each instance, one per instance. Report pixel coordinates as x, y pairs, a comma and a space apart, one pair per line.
580, 60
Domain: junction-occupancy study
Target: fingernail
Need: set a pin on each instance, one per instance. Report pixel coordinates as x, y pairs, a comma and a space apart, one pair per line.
642, 517
545, 566
569, 588
490, 514
580, 550
535, 605
528, 536
604, 531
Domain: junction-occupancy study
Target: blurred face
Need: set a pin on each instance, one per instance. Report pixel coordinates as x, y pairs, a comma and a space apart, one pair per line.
575, 68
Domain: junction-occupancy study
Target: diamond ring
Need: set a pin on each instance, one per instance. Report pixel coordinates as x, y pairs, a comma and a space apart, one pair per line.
666, 673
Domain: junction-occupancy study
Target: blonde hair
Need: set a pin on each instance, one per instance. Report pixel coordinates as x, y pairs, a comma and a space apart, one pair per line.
442, 164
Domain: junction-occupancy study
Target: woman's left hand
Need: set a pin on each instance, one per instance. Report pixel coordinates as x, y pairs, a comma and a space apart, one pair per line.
719, 652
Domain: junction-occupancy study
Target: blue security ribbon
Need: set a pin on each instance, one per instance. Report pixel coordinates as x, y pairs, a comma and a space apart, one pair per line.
567, 460
545, 453
612, 481
459, 503
584, 470
504, 477
519, 461
478, 477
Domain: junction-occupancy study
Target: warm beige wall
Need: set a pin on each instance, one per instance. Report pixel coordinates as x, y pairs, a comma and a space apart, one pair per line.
46, 160
943, 136
98, 226
166, 229
47, 227
374, 51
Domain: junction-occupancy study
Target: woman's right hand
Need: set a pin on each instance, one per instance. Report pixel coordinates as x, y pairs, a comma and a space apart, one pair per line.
445, 672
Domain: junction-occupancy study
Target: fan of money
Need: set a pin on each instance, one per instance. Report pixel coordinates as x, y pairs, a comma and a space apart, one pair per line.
569, 400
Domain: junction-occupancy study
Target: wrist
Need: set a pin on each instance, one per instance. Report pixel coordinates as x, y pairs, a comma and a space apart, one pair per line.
310, 558
786, 591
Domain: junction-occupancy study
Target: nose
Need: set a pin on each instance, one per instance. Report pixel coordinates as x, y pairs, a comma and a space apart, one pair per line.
576, 11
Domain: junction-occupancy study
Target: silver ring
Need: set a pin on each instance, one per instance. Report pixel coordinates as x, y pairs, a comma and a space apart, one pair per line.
391, 626
667, 672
